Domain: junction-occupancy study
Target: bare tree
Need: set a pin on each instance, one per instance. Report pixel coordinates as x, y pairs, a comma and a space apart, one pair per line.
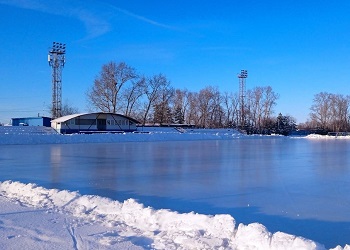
162, 111
269, 101
68, 109
339, 112
204, 98
104, 93
132, 94
259, 107
217, 114
119, 89
192, 116
209, 107
320, 110
230, 103
154, 86
330, 112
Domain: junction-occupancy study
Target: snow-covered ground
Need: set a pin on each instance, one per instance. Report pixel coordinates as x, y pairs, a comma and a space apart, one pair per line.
33, 217
326, 137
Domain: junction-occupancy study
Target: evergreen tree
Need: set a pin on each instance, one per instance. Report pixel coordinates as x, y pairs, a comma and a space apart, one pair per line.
162, 113
179, 117
284, 124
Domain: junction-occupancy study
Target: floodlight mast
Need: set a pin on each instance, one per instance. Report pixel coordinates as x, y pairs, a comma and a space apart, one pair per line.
56, 59
242, 78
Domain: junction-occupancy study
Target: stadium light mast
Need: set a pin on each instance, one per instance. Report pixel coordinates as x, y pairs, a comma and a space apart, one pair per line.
56, 59
242, 78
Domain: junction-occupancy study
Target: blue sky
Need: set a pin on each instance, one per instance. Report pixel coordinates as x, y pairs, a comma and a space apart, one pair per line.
299, 47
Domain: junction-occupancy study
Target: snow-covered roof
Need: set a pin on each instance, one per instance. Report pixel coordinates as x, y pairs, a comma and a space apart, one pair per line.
68, 117
32, 117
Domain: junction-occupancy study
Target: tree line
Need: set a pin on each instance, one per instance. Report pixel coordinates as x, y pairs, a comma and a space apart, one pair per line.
118, 88
329, 112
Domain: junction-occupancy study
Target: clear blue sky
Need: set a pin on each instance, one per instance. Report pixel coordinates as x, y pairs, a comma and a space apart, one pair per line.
299, 47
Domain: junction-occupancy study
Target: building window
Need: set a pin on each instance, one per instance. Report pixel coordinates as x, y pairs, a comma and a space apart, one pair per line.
85, 122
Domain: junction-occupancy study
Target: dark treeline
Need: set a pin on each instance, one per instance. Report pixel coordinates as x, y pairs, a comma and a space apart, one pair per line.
152, 100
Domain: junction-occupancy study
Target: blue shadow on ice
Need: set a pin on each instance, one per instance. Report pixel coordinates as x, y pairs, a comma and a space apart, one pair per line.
330, 235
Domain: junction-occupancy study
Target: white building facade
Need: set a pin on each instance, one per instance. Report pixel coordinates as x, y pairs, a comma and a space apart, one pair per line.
94, 123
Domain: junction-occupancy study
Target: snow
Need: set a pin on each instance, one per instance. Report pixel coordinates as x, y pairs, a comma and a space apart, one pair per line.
327, 137
37, 218
33, 217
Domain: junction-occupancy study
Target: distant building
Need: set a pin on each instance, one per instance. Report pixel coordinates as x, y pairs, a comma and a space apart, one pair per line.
32, 121
94, 123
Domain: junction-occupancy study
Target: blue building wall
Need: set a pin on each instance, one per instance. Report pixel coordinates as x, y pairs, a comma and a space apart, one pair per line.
32, 121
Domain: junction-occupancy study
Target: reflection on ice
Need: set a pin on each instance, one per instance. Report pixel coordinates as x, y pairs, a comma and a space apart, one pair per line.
299, 186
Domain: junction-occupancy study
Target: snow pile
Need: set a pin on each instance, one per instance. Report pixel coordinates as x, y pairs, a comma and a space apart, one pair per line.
164, 229
327, 137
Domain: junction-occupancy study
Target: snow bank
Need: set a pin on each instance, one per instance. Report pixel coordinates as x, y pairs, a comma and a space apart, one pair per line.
327, 137
164, 229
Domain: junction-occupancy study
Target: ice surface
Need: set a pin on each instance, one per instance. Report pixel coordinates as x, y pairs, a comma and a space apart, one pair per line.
34, 217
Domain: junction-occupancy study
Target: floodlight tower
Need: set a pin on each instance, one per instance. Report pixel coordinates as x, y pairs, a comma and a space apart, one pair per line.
57, 60
242, 78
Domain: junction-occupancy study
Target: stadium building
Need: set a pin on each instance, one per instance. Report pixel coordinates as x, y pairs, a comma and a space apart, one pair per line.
94, 123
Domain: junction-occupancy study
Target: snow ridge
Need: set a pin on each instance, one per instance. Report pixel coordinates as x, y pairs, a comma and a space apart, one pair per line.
165, 229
